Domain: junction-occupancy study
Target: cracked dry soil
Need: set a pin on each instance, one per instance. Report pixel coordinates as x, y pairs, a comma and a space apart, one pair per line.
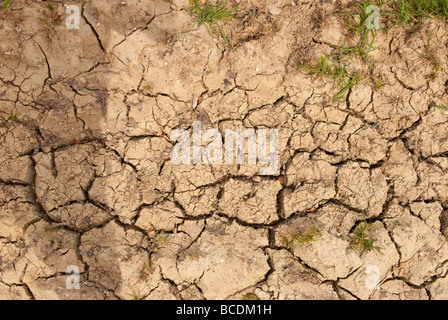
86, 178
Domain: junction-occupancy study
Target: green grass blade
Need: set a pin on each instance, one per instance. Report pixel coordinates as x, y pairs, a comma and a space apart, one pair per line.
225, 38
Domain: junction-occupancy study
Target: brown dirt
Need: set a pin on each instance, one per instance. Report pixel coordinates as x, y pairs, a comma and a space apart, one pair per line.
86, 178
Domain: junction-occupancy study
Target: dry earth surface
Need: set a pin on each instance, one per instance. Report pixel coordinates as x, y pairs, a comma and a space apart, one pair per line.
86, 178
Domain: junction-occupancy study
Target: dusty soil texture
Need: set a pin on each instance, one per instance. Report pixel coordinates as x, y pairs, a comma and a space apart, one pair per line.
86, 179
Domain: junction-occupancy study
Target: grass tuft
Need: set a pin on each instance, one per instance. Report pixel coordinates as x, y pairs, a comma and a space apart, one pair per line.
377, 82
147, 87
14, 118
162, 240
413, 11
193, 256
133, 294
362, 240
335, 67
212, 14
337, 73
309, 236
431, 56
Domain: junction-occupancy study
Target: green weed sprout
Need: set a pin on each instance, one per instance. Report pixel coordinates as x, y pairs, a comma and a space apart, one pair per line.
362, 240
211, 14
